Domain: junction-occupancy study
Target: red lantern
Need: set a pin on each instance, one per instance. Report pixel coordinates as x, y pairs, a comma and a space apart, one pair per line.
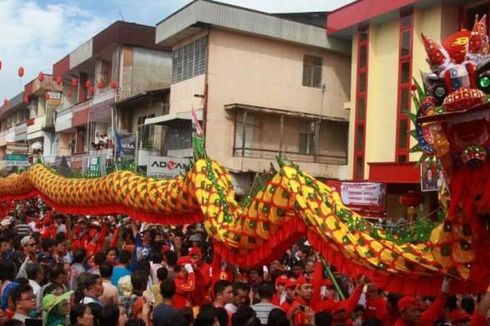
411, 198
74, 82
40, 76
100, 84
59, 80
69, 94
113, 84
91, 90
1, 64
20, 72
88, 84
26, 98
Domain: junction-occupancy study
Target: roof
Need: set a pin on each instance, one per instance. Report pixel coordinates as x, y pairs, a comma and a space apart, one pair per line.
200, 14
165, 119
141, 97
296, 114
342, 21
119, 32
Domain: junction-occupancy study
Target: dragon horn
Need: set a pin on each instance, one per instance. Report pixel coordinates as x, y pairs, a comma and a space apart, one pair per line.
478, 43
436, 54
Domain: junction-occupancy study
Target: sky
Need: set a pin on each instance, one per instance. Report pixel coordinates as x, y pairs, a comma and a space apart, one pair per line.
35, 34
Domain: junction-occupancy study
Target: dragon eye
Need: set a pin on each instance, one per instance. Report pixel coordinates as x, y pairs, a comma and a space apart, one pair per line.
484, 82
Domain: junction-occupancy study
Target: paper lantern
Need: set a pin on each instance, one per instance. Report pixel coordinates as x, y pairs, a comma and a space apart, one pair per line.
411, 198
1, 64
21, 71
40, 76
74, 82
100, 84
113, 84
88, 84
59, 80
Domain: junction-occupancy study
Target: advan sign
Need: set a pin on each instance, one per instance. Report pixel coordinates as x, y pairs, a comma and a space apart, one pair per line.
167, 167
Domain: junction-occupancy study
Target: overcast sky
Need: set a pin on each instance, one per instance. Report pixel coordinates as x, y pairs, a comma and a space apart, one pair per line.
36, 33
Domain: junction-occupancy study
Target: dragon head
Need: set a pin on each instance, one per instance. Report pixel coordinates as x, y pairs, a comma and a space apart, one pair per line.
453, 120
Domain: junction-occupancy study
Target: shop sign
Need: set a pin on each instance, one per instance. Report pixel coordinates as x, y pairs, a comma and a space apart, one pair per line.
167, 167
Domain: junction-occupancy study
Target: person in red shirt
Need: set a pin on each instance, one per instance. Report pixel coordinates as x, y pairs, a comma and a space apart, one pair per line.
280, 296
290, 293
410, 309
185, 283
203, 278
376, 304
300, 310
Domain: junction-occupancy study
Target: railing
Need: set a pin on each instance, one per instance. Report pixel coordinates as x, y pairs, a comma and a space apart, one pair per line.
271, 154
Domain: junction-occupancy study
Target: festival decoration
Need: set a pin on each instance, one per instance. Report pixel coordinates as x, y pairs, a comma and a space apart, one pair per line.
452, 125
20, 72
100, 84
88, 84
113, 84
59, 80
74, 82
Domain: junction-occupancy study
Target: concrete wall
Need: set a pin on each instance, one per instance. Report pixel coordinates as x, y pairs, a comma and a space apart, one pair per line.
144, 69
249, 70
151, 70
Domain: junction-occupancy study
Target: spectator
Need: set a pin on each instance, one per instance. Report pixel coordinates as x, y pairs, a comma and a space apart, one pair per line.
241, 297
77, 267
56, 309
114, 315
164, 312
277, 317
121, 269
162, 274
110, 295
265, 306
91, 288
35, 275
134, 303
81, 315
23, 301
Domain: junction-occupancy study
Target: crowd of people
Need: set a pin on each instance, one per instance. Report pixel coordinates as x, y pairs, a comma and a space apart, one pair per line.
82, 270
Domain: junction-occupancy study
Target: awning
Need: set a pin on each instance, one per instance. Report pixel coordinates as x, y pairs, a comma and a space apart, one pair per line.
167, 119
286, 113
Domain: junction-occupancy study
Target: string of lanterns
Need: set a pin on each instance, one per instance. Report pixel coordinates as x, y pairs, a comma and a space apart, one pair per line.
41, 77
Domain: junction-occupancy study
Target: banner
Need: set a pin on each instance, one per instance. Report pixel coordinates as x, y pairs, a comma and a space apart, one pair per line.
166, 167
431, 176
371, 194
126, 146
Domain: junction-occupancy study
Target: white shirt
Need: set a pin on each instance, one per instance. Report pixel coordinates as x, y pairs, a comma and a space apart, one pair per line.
36, 288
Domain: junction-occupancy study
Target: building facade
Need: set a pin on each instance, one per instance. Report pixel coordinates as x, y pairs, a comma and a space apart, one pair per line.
118, 63
387, 53
263, 86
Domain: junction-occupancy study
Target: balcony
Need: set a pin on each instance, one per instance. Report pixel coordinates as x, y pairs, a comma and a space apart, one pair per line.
299, 137
10, 135
21, 131
63, 120
34, 130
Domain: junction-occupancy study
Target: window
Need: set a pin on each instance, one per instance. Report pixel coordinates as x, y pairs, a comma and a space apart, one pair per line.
362, 82
361, 107
146, 139
179, 138
307, 137
403, 134
363, 56
360, 137
405, 100
359, 168
190, 60
251, 130
312, 71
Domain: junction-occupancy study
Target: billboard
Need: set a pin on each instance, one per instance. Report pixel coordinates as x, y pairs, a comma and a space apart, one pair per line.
166, 167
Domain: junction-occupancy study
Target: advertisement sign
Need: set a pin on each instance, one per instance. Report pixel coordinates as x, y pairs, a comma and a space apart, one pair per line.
12, 160
17, 148
94, 166
126, 146
53, 98
166, 167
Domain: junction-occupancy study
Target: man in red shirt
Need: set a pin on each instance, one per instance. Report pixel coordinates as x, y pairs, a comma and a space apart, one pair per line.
280, 296
290, 294
185, 283
300, 310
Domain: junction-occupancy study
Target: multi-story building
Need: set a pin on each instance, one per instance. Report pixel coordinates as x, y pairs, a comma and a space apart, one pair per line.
42, 96
387, 51
13, 127
263, 86
120, 62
